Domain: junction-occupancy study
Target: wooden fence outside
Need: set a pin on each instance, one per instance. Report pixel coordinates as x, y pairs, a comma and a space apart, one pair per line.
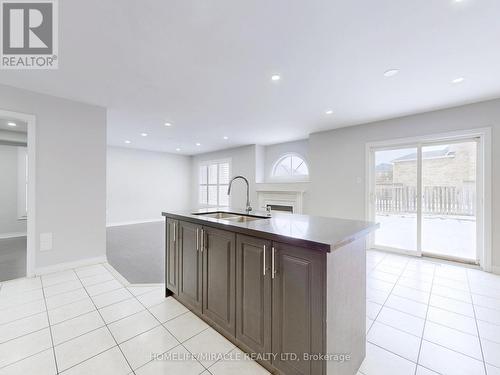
438, 200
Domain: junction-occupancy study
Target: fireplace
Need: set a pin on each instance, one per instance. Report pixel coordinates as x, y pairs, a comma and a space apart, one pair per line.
280, 199
280, 207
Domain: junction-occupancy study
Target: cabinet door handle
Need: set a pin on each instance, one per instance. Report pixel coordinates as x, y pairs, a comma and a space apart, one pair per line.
273, 272
175, 231
197, 239
202, 240
264, 262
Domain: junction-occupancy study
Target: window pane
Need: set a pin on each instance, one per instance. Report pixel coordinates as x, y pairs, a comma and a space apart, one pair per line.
224, 173
396, 198
296, 162
203, 174
283, 167
212, 174
223, 197
203, 194
449, 200
302, 170
291, 165
212, 195
299, 167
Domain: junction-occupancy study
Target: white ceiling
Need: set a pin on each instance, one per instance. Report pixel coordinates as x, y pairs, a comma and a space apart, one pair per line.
205, 65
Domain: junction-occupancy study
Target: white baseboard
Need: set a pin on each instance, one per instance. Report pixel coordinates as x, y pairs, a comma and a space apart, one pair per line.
12, 235
119, 224
70, 265
117, 275
146, 285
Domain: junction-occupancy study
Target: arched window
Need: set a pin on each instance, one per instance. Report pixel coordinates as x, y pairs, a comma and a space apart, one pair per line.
291, 166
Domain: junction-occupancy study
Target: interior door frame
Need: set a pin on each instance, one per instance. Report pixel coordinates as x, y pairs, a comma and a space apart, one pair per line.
31, 220
483, 185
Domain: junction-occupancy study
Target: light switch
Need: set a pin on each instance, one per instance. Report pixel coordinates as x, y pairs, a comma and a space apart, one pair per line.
45, 241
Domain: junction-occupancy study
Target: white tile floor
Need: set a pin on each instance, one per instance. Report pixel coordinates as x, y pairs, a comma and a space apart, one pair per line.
87, 321
429, 317
423, 318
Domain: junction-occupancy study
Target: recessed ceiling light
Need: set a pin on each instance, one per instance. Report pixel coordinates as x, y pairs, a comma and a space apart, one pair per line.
11, 124
198, 144
225, 137
458, 80
275, 77
391, 72
127, 142
144, 134
177, 149
328, 111
168, 124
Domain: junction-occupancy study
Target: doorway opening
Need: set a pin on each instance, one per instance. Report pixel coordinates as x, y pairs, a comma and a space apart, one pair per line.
13, 198
17, 195
427, 195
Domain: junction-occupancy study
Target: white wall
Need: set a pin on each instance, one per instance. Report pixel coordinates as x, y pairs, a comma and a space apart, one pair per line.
243, 162
142, 184
70, 174
9, 221
337, 158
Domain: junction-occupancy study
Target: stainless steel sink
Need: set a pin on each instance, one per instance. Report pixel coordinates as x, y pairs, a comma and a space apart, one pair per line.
218, 215
231, 217
243, 219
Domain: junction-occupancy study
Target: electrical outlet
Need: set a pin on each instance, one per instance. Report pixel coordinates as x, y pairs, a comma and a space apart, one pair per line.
45, 241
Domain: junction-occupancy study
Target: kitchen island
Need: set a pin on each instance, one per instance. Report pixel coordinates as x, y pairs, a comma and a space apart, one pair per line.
288, 289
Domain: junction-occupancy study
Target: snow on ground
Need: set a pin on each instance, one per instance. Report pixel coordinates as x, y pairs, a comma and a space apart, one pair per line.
445, 235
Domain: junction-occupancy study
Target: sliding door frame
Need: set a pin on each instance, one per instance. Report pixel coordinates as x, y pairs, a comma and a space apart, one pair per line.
483, 186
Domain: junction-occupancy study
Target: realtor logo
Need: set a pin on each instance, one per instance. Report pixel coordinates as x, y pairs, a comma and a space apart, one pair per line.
29, 34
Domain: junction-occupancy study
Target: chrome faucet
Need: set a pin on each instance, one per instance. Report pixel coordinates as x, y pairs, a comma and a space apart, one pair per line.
249, 208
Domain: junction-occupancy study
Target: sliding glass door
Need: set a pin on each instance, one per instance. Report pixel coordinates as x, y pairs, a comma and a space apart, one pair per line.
425, 198
449, 172
396, 199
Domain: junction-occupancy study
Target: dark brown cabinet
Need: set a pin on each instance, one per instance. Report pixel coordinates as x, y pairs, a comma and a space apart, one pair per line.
268, 297
297, 304
253, 293
171, 256
219, 265
190, 265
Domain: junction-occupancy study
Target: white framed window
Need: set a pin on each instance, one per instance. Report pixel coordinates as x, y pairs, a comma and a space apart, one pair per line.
213, 183
290, 167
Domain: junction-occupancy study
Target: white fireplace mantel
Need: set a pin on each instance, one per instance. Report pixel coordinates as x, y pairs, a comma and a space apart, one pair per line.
282, 194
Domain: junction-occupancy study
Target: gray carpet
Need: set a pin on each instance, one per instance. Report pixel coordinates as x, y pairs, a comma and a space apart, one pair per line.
138, 251
12, 258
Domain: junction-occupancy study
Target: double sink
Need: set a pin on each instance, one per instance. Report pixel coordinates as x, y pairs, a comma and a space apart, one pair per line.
232, 217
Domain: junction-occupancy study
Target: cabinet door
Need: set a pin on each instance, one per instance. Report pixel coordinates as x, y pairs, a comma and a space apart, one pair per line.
219, 278
171, 256
190, 265
253, 293
298, 308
